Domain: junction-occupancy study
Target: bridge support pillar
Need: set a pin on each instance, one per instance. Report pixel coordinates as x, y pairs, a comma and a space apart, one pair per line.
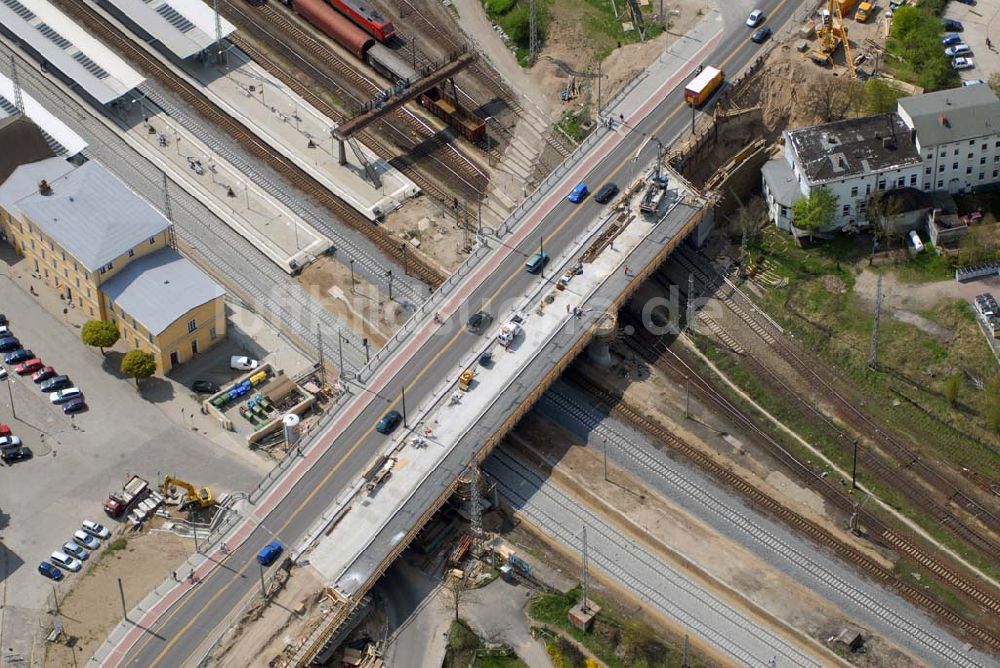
599, 350
341, 152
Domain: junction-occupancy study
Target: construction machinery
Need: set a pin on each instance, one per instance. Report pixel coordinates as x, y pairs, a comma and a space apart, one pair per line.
831, 33
195, 497
465, 380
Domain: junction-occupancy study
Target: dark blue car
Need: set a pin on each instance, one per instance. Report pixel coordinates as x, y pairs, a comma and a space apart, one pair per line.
18, 356
389, 422
9, 343
50, 571
269, 553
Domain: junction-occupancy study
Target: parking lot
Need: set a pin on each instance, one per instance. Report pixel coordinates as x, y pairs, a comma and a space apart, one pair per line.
78, 460
979, 21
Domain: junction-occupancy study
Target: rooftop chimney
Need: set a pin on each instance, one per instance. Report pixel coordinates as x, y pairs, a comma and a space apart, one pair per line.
44, 188
943, 120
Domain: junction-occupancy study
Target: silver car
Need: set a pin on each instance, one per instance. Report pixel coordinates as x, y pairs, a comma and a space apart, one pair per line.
66, 561
96, 530
74, 550
84, 539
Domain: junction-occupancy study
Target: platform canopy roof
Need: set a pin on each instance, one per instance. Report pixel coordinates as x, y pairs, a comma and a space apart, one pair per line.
63, 141
67, 47
184, 27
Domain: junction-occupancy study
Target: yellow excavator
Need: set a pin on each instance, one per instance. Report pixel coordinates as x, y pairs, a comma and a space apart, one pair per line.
200, 497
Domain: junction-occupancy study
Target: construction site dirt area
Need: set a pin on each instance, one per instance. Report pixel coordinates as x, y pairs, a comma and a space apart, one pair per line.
720, 562
442, 240
574, 42
265, 630
361, 305
93, 607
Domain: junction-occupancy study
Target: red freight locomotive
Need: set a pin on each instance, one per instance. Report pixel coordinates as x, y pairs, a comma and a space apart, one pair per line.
367, 17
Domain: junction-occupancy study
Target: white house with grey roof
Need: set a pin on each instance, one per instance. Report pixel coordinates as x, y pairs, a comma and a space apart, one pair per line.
957, 132
947, 140
110, 253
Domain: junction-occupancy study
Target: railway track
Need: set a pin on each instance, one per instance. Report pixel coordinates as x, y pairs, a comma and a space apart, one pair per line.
905, 458
665, 359
266, 20
641, 571
762, 501
478, 70
255, 146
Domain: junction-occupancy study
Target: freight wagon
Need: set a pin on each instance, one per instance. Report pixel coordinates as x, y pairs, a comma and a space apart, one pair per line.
468, 124
335, 26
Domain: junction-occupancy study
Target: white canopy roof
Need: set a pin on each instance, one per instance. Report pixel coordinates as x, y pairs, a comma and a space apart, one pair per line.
185, 27
69, 48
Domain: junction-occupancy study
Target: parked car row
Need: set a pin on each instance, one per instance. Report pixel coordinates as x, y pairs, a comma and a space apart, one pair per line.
58, 387
85, 540
11, 448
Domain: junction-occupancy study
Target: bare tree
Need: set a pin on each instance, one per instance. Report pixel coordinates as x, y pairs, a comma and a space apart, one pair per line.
456, 588
831, 99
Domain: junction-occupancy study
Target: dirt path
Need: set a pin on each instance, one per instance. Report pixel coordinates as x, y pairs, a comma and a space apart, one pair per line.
93, 607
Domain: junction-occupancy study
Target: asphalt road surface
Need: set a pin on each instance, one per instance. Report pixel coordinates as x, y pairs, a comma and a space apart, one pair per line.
187, 629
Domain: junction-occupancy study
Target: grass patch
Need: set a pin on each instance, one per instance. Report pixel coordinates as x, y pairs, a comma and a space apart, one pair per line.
572, 123
926, 267
466, 650
915, 38
617, 639
824, 439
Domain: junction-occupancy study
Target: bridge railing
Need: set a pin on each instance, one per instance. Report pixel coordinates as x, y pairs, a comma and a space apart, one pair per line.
433, 303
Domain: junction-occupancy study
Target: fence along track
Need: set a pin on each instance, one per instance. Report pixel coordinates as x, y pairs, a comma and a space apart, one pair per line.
462, 171
250, 141
904, 456
817, 533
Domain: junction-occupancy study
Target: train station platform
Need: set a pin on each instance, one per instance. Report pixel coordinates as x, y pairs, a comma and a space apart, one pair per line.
246, 208
286, 121
450, 428
245, 91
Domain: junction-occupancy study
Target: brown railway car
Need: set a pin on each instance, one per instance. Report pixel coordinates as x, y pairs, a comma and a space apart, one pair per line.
335, 26
468, 124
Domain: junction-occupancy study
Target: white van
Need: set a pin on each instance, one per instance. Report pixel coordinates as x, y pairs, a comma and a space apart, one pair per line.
918, 245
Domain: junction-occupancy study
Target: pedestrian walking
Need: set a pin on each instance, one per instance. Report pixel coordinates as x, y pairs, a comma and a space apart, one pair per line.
173, 574
627, 273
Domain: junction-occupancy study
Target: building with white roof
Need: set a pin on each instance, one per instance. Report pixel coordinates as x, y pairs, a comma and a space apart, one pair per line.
66, 47
948, 140
109, 252
61, 138
183, 27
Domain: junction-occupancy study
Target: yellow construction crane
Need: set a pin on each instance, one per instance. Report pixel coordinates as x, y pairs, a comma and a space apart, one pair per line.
202, 497
847, 44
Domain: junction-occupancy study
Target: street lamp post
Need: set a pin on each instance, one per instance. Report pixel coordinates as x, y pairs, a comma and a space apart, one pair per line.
406, 264
854, 467
388, 273
351, 262
402, 393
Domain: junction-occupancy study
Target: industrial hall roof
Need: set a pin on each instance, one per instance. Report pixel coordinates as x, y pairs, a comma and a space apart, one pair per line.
88, 211
184, 27
159, 288
68, 48
952, 115
854, 147
59, 136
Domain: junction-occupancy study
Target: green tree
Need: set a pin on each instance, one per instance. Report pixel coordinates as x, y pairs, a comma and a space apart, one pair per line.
100, 334
951, 387
879, 97
814, 212
916, 38
138, 364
